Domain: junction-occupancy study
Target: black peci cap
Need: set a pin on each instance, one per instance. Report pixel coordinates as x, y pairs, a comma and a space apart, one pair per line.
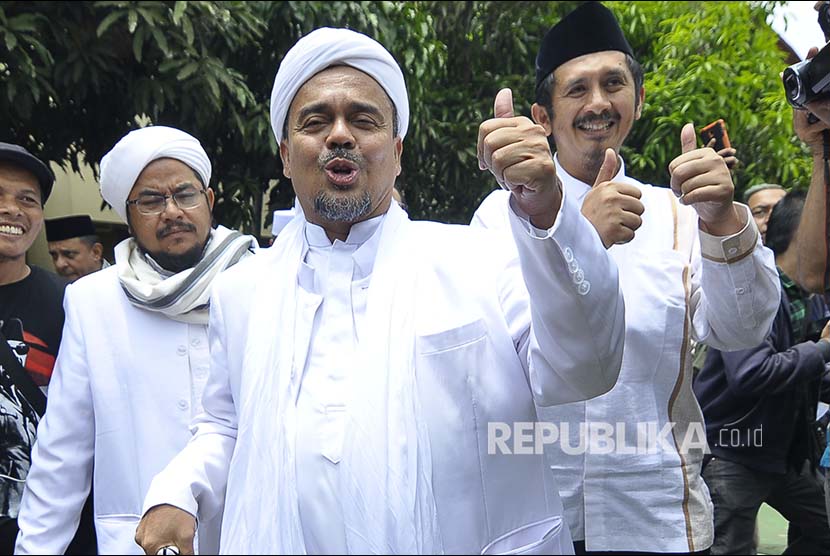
67, 227
590, 28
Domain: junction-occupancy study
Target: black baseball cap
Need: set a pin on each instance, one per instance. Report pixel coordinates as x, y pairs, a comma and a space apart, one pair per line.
20, 156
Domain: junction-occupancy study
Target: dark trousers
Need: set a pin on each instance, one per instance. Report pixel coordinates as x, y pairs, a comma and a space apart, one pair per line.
738, 492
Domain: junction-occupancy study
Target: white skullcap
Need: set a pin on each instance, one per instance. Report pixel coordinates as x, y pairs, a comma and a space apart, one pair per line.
328, 47
121, 166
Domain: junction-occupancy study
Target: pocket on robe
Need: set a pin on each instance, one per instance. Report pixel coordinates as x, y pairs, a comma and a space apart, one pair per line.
542, 537
453, 338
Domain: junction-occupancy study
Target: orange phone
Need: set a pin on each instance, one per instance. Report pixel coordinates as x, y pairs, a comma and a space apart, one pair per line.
716, 129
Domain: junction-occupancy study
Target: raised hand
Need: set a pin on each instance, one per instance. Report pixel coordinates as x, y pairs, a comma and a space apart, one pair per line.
700, 178
614, 208
516, 152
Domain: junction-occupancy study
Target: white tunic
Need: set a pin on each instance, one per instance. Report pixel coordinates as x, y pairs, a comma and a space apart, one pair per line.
338, 274
475, 358
677, 285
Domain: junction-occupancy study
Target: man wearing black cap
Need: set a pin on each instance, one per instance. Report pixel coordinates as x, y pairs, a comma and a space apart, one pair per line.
31, 320
691, 267
74, 246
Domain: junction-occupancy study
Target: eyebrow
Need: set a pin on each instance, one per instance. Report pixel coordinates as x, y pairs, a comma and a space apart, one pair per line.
614, 72
323, 107
176, 189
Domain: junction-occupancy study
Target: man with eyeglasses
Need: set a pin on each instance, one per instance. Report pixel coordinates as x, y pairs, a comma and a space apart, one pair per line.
134, 358
761, 199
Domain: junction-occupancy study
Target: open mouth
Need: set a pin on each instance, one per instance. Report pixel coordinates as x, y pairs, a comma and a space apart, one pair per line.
600, 126
342, 172
11, 230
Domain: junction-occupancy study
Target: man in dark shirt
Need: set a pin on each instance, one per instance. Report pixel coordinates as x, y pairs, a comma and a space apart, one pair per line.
31, 319
759, 406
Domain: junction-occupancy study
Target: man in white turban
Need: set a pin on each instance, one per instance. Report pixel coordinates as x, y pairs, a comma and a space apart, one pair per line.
134, 357
367, 371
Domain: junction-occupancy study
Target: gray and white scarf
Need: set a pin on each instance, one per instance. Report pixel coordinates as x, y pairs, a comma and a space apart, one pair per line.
183, 296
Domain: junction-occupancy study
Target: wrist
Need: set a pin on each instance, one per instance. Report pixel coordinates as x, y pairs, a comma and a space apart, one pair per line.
726, 224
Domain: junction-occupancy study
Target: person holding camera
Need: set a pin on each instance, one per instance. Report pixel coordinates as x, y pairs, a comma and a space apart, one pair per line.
759, 406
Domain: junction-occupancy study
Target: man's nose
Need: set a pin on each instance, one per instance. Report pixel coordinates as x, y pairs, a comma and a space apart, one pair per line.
598, 101
340, 135
171, 209
8, 205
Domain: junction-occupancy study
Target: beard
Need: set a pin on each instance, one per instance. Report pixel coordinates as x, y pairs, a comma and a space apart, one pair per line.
175, 263
593, 159
350, 208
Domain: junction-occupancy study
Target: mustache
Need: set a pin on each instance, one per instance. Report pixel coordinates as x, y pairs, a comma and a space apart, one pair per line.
178, 227
339, 152
605, 116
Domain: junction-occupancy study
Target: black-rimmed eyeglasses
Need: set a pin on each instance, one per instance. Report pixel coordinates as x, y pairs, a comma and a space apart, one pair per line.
151, 204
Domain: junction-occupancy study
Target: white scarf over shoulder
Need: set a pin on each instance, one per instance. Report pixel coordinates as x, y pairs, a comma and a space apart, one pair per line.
386, 472
184, 296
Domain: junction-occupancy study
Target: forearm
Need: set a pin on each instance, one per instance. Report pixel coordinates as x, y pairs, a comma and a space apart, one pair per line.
577, 310
811, 235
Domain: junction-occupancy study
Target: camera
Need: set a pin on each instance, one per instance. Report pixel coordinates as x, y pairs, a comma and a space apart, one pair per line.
808, 80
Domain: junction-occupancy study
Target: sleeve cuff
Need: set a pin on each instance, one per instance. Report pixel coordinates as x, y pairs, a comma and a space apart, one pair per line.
730, 249
533, 231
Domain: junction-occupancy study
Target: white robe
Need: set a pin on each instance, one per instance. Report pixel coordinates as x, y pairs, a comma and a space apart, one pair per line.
127, 382
476, 359
655, 500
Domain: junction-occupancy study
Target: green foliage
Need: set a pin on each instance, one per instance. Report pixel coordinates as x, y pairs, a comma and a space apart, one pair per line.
710, 60
76, 76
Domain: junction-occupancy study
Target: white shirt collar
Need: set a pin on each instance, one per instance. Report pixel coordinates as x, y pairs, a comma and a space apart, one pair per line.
363, 236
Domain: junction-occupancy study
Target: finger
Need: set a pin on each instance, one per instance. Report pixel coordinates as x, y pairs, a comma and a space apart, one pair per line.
503, 106
631, 221
712, 193
497, 145
632, 205
697, 166
727, 152
608, 169
812, 52
628, 190
623, 235
486, 129
522, 175
688, 139
711, 143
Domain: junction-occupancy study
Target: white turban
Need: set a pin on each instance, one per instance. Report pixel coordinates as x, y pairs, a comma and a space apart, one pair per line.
122, 165
328, 47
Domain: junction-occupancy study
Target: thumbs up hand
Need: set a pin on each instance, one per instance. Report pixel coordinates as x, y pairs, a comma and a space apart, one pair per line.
516, 152
700, 178
613, 208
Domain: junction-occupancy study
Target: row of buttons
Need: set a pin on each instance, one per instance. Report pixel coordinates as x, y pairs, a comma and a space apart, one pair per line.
583, 286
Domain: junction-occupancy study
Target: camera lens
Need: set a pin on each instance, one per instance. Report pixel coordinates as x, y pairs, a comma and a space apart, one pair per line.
793, 88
